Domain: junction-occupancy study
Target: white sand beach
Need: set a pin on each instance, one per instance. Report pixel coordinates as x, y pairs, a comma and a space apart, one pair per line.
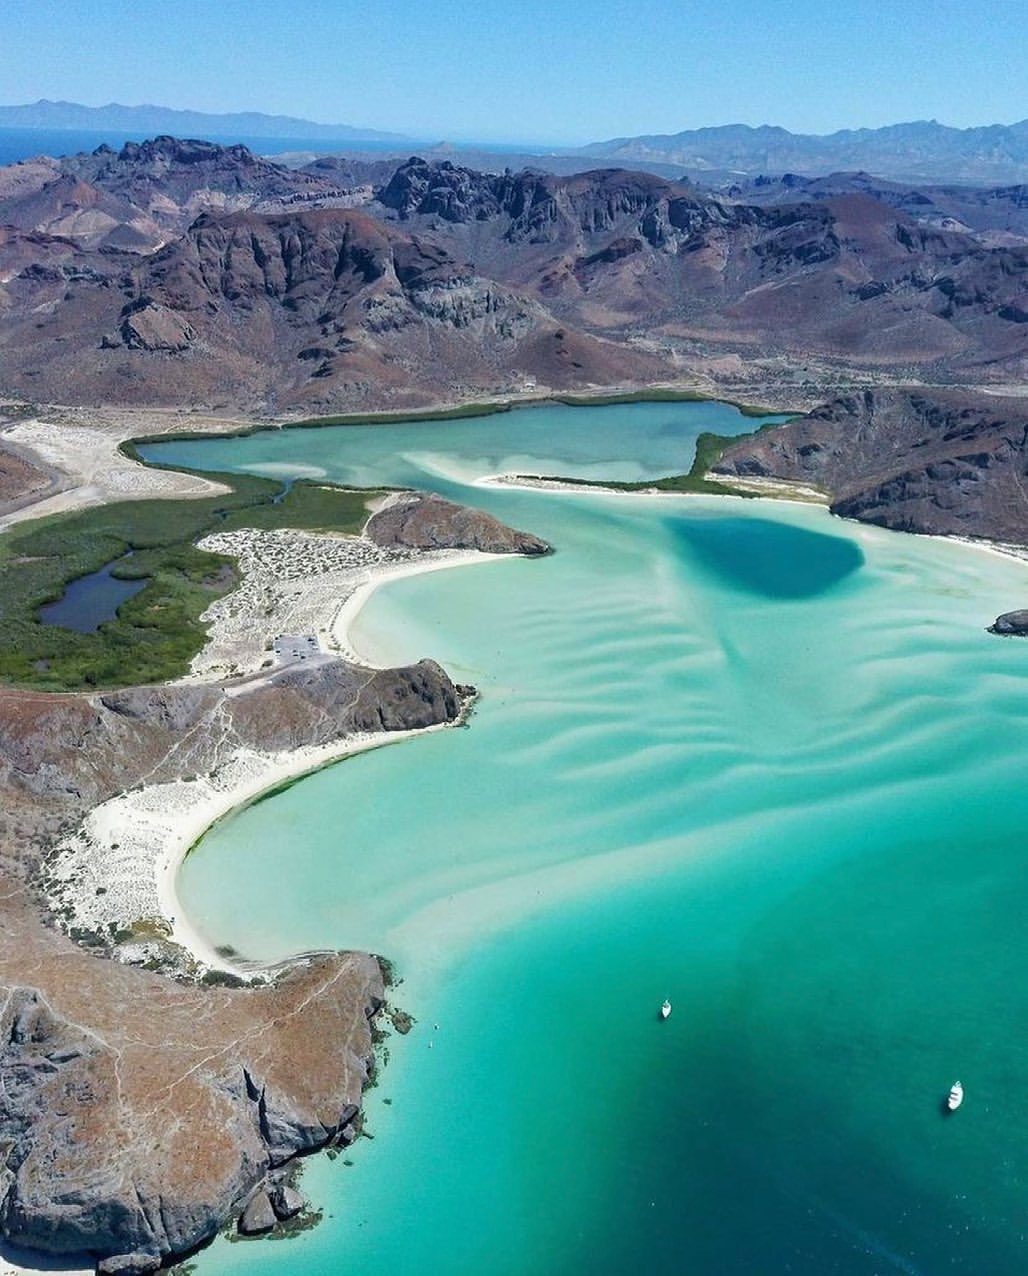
116, 873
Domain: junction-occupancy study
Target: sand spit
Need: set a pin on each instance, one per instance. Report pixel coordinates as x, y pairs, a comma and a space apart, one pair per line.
774, 489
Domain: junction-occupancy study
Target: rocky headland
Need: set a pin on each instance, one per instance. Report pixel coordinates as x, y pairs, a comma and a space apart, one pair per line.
941, 462
425, 521
141, 1111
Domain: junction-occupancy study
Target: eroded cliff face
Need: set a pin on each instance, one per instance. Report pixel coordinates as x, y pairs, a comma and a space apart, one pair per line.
139, 1114
942, 461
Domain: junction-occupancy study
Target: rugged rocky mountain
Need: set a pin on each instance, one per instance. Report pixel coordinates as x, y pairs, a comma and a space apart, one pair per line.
922, 150
138, 198
315, 308
429, 521
943, 462
996, 215
140, 1113
453, 284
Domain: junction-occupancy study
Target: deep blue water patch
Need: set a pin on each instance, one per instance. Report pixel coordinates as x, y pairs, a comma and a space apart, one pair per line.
91, 600
773, 560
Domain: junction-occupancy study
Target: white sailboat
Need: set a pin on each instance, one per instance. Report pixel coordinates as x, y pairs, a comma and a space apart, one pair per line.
665, 1010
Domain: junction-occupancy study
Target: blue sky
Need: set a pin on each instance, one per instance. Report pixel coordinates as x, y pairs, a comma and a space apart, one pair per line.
532, 71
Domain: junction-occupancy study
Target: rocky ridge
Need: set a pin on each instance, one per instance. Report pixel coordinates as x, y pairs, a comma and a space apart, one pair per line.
919, 150
944, 462
307, 289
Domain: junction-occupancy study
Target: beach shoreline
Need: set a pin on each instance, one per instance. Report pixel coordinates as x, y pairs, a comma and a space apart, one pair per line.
775, 491
118, 869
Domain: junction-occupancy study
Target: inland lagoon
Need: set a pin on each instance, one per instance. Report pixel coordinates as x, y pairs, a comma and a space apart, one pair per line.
89, 601
735, 753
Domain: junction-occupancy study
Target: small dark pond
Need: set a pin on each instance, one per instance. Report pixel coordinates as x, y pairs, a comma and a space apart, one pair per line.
91, 600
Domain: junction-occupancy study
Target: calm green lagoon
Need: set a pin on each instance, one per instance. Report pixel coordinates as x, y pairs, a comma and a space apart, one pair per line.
735, 753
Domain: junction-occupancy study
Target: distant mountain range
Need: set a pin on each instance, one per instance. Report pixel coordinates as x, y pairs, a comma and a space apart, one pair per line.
151, 120
920, 151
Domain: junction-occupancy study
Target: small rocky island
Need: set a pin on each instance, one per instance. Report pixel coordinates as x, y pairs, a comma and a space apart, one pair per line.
141, 1112
1012, 624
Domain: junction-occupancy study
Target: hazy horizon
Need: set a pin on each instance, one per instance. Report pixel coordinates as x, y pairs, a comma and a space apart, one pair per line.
536, 75
401, 137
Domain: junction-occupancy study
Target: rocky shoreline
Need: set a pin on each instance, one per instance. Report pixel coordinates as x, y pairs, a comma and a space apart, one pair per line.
941, 462
143, 1112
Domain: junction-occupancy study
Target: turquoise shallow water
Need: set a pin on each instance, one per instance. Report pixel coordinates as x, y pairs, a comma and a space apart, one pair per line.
735, 753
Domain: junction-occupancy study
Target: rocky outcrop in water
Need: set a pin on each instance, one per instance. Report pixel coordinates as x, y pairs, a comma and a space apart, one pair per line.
422, 520
1012, 624
945, 462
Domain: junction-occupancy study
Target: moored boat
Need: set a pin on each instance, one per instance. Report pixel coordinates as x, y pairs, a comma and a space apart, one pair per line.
955, 1097
665, 1010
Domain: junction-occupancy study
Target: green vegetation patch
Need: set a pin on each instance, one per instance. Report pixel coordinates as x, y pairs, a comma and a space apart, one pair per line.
709, 449
156, 633
457, 413
313, 507
657, 395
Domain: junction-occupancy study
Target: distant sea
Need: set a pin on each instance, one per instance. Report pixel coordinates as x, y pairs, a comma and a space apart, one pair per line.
23, 143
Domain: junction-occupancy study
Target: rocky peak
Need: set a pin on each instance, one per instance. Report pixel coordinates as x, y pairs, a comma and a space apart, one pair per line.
174, 150
443, 190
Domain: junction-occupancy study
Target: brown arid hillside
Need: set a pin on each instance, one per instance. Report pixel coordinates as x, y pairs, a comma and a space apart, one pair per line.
179, 272
945, 462
997, 216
